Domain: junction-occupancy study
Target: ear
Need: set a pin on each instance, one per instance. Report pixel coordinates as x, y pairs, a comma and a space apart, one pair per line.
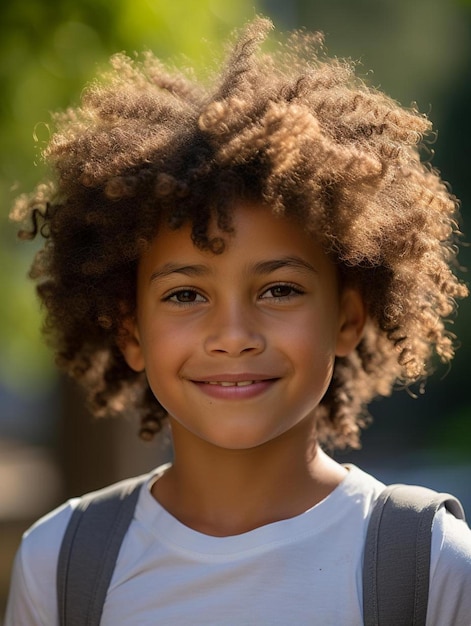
352, 321
129, 343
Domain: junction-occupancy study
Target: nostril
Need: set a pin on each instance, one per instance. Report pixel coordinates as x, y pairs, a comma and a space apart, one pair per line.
235, 344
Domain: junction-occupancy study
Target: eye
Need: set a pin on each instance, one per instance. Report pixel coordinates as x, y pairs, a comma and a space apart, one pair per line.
282, 291
184, 296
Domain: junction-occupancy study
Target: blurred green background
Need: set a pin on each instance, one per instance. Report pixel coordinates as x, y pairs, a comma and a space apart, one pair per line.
416, 51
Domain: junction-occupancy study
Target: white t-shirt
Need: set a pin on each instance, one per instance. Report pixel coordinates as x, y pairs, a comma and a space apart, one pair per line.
303, 570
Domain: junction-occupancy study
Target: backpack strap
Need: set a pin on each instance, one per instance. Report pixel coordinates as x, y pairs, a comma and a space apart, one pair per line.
90, 548
396, 568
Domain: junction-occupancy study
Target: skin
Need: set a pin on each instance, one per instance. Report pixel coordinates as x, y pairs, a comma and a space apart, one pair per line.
240, 348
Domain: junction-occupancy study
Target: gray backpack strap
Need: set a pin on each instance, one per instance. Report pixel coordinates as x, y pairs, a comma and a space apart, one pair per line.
89, 551
396, 567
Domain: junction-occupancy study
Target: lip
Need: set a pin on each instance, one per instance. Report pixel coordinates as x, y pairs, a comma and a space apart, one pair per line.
234, 377
259, 384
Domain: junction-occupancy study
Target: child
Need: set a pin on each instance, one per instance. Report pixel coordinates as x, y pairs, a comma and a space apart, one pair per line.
253, 261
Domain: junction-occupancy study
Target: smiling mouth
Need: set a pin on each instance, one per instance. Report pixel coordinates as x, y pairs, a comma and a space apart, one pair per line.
241, 387
223, 383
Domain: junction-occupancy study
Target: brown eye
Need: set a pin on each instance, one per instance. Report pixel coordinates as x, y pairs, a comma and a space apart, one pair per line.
283, 291
185, 296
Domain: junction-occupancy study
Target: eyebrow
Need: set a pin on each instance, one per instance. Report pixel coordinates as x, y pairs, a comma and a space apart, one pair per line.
174, 268
260, 268
295, 262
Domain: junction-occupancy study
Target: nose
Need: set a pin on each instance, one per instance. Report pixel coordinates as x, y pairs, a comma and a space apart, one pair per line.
233, 330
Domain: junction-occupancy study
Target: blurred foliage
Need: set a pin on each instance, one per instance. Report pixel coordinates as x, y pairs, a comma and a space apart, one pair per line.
415, 51
455, 435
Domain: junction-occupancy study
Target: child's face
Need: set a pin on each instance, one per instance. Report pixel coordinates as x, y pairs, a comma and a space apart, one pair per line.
240, 347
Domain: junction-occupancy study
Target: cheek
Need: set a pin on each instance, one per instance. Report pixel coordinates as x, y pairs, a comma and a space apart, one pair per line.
162, 376
313, 333
312, 344
166, 348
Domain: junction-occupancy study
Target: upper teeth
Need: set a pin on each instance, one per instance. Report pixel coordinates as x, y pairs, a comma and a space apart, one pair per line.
242, 383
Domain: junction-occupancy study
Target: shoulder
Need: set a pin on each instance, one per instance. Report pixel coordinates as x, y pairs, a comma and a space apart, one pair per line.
41, 543
33, 586
32, 596
451, 548
46, 534
450, 572
361, 488
450, 565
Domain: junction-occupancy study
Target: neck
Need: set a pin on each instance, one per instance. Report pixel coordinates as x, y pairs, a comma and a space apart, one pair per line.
227, 492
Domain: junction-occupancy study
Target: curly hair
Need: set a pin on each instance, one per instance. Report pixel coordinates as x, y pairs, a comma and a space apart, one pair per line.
292, 129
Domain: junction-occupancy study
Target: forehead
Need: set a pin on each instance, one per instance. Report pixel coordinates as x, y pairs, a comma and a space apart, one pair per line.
247, 221
256, 234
